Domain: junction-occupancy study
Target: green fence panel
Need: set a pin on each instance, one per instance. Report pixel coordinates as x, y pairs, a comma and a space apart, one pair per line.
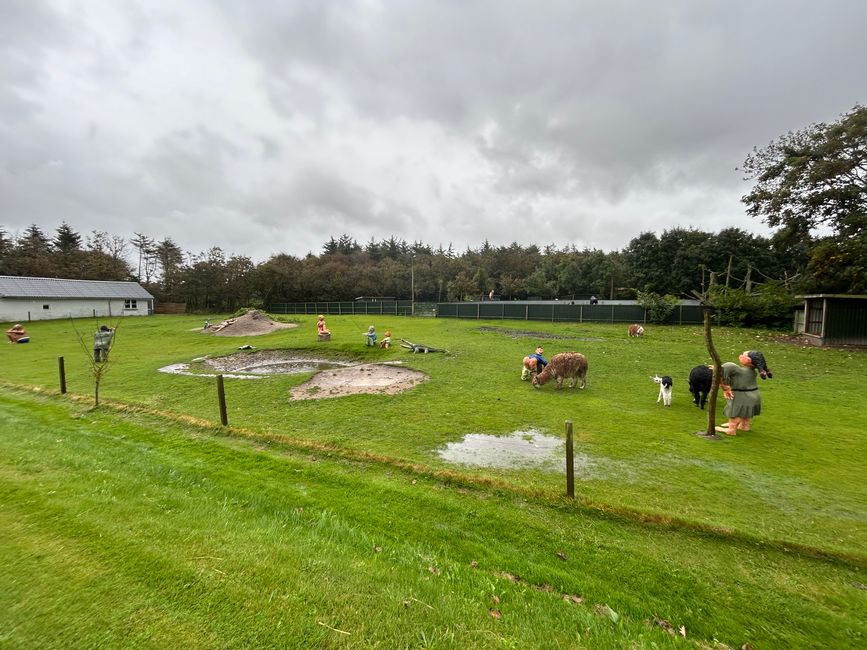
491, 310
515, 310
355, 307
538, 312
565, 312
560, 312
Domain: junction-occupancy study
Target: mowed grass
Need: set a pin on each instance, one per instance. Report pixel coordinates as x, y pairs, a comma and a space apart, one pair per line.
127, 530
761, 537
798, 477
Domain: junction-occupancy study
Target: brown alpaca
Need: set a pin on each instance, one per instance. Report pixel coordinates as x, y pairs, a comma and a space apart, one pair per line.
566, 364
636, 330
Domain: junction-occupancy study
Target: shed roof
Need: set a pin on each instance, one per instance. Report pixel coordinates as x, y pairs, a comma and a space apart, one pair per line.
13, 286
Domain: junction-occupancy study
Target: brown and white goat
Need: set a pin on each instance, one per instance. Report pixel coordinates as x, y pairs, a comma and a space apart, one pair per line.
635, 330
565, 364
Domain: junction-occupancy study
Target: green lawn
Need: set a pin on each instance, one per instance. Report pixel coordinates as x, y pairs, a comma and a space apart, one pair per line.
130, 526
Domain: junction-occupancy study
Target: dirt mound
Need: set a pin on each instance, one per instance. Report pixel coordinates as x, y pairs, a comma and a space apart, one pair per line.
253, 323
370, 378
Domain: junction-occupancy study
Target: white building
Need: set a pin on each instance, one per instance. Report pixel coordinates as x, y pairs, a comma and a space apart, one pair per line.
27, 299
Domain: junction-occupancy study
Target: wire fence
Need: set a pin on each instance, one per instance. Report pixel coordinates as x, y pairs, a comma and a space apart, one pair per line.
559, 312
624, 311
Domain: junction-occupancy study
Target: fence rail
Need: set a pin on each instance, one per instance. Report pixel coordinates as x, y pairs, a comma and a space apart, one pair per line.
557, 312
565, 312
349, 307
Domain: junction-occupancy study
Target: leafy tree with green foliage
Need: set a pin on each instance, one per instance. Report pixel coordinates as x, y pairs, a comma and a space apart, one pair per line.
67, 252
33, 255
817, 178
769, 305
482, 282
171, 260
461, 287
510, 286
839, 265
538, 284
659, 307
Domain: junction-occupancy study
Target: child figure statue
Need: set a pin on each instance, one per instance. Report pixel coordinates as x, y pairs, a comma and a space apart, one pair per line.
17, 334
371, 336
322, 331
102, 341
533, 364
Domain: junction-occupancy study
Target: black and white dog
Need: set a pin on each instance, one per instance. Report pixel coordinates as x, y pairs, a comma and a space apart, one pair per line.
665, 383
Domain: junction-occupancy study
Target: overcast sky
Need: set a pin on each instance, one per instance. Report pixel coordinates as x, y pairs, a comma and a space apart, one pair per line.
269, 126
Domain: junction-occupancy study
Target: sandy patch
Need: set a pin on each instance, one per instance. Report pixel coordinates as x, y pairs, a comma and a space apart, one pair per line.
253, 323
370, 378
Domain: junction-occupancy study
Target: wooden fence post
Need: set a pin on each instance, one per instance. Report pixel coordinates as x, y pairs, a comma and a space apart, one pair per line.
221, 397
570, 462
62, 372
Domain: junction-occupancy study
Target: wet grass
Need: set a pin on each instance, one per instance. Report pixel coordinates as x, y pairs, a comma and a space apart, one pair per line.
122, 529
760, 537
796, 479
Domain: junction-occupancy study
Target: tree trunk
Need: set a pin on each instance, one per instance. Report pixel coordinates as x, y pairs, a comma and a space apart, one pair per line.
717, 371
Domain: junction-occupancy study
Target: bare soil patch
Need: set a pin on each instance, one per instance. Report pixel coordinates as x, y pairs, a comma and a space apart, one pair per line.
802, 341
530, 334
372, 378
253, 323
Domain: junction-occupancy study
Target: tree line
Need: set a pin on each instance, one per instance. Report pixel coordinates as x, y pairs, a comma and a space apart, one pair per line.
676, 262
806, 182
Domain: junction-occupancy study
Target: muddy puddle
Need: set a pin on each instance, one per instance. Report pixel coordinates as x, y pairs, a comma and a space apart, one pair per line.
529, 449
530, 334
255, 365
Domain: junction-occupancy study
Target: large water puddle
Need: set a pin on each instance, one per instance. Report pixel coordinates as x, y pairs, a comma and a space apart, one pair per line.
529, 449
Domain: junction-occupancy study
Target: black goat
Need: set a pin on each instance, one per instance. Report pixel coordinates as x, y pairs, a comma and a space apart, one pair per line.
700, 380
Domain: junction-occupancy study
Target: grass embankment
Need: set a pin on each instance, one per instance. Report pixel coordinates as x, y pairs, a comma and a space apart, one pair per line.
711, 555
124, 530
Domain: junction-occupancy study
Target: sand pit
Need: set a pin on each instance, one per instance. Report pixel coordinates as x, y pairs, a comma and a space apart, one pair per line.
253, 323
372, 378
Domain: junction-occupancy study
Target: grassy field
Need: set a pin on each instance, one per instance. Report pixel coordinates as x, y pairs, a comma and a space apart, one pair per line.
141, 524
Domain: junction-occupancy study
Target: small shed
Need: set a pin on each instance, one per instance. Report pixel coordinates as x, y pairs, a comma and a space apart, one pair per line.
835, 319
28, 299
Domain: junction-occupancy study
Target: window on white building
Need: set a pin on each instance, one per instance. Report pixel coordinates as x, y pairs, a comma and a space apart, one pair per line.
130, 304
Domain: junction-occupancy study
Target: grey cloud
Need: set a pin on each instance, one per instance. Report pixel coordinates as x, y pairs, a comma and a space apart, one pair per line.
563, 121
190, 167
620, 90
320, 200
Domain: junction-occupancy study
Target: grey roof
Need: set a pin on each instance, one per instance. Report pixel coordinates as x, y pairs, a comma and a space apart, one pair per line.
13, 286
